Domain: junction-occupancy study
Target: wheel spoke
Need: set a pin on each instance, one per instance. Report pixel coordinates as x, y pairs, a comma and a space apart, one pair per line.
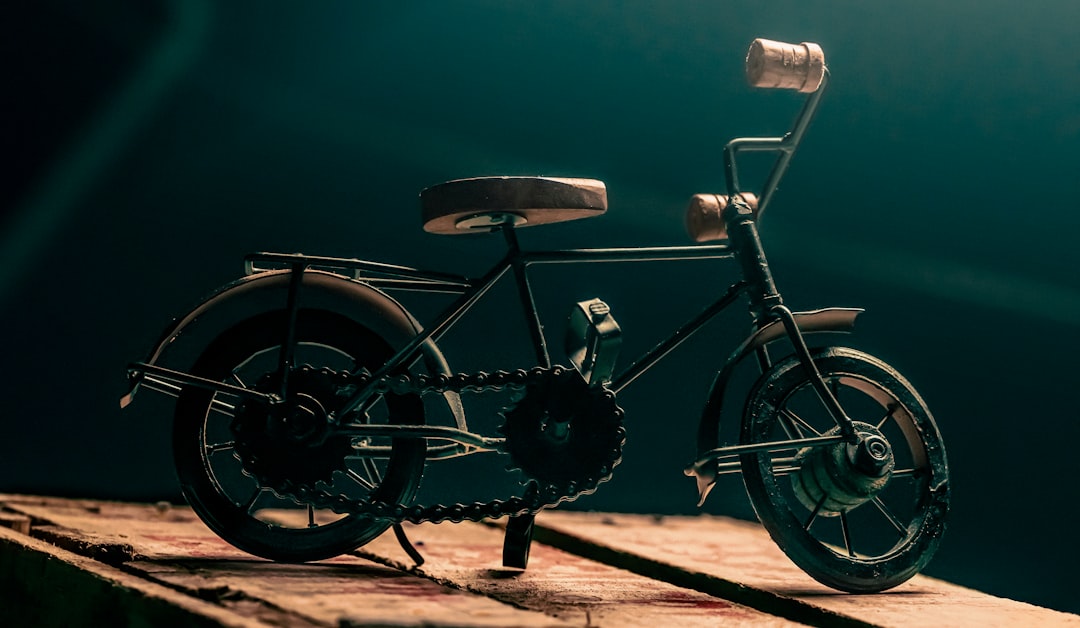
359, 479
797, 421
790, 432
790, 423
219, 406
372, 470
311, 517
250, 503
236, 378
847, 534
814, 514
899, 473
888, 415
216, 447
883, 509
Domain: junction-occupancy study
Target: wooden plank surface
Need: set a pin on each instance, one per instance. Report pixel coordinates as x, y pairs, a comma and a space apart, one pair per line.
170, 547
737, 560
103, 560
43, 585
580, 590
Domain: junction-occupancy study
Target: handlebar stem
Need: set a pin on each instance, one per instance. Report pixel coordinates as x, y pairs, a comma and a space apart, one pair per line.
785, 145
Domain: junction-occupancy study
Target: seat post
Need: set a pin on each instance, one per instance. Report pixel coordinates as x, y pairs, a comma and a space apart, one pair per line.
510, 236
528, 302
519, 529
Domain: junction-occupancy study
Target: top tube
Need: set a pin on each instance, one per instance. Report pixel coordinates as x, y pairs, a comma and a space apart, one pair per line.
628, 254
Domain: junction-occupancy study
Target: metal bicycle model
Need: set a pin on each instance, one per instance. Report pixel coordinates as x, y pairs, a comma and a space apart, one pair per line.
300, 430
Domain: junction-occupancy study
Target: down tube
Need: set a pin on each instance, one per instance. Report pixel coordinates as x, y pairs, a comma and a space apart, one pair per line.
680, 335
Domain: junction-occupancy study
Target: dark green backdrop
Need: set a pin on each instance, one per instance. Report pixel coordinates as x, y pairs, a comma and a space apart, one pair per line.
150, 145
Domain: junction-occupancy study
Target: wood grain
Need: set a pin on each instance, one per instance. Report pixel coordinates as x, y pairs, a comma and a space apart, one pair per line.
738, 560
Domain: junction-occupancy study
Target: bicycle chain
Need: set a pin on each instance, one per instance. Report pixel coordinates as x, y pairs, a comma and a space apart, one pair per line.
536, 496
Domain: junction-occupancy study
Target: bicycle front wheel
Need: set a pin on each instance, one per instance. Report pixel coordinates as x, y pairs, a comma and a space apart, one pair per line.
856, 517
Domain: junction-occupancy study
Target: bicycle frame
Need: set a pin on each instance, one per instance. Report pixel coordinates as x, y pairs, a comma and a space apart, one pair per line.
766, 303
745, 246
517, 262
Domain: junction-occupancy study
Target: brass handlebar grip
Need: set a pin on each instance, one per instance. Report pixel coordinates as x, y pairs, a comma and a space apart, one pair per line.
775, 64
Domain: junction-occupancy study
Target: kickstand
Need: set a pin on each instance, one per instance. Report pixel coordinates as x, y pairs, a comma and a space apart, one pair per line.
518, 540
406, 544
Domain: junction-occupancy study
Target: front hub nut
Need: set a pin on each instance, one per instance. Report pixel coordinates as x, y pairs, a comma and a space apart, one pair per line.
872, 455
836, 478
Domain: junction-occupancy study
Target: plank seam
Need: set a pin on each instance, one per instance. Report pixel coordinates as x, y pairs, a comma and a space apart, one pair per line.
715, 586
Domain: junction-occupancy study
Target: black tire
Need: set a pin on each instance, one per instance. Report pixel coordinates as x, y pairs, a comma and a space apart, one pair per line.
225, 495
880, 542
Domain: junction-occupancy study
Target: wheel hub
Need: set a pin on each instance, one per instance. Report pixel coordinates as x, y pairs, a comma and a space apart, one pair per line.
836, 478
292, 442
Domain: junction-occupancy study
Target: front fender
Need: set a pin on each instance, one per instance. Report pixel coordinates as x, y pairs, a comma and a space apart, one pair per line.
188, 335
834, 319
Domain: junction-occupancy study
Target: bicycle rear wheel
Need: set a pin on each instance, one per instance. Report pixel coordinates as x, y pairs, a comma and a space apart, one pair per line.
856, 518
227, 454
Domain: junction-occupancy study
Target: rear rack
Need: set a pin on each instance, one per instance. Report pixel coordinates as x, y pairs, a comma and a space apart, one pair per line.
377, 274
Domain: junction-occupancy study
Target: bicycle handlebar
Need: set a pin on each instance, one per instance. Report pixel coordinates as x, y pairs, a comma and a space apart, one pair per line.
778, 65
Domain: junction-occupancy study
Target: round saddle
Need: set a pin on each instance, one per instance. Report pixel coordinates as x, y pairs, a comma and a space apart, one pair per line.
487, 203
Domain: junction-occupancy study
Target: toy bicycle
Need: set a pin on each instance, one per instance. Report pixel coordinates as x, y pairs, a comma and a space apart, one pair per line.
304, 391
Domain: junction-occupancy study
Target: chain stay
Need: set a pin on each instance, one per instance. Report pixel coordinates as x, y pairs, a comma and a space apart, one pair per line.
536, 497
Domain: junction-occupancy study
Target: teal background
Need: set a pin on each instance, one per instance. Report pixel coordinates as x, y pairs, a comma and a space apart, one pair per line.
151, 145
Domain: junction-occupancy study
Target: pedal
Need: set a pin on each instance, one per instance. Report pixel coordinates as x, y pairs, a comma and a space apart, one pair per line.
592, 341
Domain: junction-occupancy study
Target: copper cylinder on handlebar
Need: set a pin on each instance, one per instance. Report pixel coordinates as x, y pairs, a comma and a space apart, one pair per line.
779, 65
704, 215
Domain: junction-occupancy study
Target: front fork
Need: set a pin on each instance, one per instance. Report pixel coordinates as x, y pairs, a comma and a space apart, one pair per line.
766, 305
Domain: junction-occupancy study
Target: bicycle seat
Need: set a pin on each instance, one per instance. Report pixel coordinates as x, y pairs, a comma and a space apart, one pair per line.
484, 203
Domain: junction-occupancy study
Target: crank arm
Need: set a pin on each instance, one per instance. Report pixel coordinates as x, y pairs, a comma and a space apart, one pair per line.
438, 452
722, 467
787, 465
711, 464
436, 432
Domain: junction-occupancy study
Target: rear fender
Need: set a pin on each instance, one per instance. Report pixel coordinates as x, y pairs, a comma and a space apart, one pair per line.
187, 336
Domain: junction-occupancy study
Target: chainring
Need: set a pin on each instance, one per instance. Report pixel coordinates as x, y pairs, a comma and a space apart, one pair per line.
562, 430
594, 419
292, 444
